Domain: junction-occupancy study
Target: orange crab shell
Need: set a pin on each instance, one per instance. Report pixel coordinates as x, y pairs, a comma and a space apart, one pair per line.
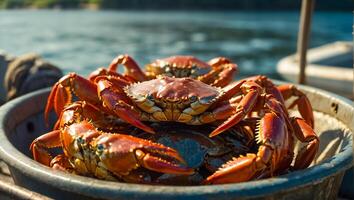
178, 66
172, 99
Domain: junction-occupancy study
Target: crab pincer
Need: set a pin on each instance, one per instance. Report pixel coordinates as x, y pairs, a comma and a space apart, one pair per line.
274, 143
113, 97
122, 153
89, 151
274, 134
62, 92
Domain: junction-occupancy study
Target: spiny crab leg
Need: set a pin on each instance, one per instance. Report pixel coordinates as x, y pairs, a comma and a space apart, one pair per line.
251, 91
302, 102
273, 139
132, 68
305, 134
116, 100
268, 86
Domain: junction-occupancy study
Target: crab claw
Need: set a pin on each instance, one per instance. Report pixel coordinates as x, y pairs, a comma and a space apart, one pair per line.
223, 72
40, 146
272, 152
252, 92
58, 98
132, 68
115, 99
305, 133
122, 153
62, 163
237, 170
302, 102
61, 95
105, 72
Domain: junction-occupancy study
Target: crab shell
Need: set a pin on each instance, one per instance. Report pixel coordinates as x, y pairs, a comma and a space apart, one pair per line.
172, 99
178, 66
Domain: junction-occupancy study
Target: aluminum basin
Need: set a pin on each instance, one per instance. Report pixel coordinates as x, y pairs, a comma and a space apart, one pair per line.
21, 120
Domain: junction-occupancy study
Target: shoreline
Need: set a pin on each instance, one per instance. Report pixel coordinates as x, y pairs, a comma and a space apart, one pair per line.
181, 5
163, 10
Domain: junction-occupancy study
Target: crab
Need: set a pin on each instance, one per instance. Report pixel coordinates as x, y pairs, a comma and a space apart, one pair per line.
105, 155
218, 71
81, 126
274, 134
189, 101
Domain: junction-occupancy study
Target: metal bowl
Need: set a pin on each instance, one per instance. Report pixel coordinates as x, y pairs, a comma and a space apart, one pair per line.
21, 120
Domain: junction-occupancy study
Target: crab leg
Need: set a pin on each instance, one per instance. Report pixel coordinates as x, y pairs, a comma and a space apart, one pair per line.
40, 145
74, 112
268, 85
229, 92
105, 72
272, 136
118, 82
305, 134
61, 162
221, 111
218, 61
226, 75
133, 69
252, 92
79, 111
241, 169
302, 102
60, 96
222, 72
117, 101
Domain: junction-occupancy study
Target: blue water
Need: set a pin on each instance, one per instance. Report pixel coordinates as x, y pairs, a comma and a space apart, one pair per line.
80, 41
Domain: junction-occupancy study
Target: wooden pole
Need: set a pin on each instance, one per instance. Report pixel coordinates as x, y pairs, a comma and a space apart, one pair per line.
303, 36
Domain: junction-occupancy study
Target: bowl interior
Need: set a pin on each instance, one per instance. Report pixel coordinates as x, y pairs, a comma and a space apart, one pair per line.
24, 122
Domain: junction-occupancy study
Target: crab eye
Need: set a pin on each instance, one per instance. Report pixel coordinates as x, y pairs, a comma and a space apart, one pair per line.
193, 98
79, 140
100, 147
150, 97
206, 100
167, 68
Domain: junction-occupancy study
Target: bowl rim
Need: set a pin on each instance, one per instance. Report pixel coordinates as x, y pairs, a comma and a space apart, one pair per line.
83, 185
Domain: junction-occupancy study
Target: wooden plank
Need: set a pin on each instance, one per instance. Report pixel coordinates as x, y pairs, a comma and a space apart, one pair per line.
303, 36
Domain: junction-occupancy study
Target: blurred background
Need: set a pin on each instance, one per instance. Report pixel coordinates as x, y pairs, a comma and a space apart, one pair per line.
61, 36
81, 35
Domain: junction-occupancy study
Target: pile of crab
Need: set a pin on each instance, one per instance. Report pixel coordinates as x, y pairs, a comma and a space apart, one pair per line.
183, 121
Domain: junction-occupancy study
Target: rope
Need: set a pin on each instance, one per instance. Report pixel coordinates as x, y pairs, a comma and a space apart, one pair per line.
28, 73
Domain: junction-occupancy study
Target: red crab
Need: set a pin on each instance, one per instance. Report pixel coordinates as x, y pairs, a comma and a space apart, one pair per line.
190, 101
106, 155
218, 71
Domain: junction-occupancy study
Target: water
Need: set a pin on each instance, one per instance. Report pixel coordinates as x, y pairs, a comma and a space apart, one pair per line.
81, 41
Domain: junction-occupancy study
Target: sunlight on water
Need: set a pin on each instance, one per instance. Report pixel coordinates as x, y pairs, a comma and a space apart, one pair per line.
80, 41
